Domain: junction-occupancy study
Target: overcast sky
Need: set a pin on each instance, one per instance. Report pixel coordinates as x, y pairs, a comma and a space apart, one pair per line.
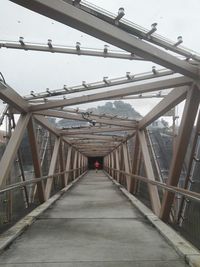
26, 71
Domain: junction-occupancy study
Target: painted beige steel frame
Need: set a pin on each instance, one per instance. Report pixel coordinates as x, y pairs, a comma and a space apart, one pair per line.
153, 190
187, 122
12, 147
130, 90
52, 167
36, 159
172, 99
79, 117
11, 97
85, 22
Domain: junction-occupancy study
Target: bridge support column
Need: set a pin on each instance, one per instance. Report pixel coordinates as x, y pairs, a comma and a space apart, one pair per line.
36, 159
62, 163
185, 130
126, 165
52, 167
112, 165
117, 164
135, 166
68, 164
153, 190
75, 164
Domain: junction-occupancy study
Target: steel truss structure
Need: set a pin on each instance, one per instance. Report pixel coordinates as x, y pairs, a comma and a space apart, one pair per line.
105, 135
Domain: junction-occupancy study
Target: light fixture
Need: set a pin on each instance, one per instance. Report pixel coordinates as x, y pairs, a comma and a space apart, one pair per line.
78, 46
120, 14
32, 93
105, 79
179, 41
105, 49
50, 43
153, 29
129, 77
84, 84
154, 70
76, 2
21, 40
48, 91
65, 87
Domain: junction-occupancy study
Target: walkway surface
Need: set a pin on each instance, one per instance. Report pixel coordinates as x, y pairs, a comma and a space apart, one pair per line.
92, 225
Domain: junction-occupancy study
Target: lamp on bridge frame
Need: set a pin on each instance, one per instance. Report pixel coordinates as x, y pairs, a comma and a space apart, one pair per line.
153, 29
105, 49
49, 42
32, 93
154, 70
78, 46
105, 80
129, 77
48, 91
76, 2
84, 84
21, 40
65, 87
179, 41
120, 14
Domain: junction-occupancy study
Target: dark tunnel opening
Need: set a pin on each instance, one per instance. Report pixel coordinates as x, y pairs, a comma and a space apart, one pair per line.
92, 160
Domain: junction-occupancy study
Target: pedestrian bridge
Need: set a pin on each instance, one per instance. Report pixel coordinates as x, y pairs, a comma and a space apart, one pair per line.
143, 207
93, 224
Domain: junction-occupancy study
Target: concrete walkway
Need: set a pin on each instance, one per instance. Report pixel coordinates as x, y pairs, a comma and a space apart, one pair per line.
92, 225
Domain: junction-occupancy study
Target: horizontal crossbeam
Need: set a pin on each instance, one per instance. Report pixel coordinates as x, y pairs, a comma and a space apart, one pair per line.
128, 90
80, 20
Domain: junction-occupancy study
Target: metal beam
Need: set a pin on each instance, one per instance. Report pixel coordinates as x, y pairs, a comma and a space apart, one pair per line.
130, 90
75, 163
12, 147
62, 163
12, 98
98, 85
153, 190
69, 50
80, 20
95, 130
36, 160
52, 167
187, 122
172, 99
94, 137
117, 163
136, 156
68, 164
126, 165
136, 30
79, 117
46, 124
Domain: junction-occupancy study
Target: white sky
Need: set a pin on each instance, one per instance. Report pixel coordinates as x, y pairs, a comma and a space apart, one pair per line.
26, 71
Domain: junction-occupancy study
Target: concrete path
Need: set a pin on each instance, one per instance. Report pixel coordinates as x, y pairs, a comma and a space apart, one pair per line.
92, 225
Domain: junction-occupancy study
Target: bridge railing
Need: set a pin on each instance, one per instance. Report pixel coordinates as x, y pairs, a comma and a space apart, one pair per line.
13, 208
190, 223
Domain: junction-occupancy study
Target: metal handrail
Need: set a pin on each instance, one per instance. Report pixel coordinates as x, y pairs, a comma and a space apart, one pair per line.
35, 180
190, 195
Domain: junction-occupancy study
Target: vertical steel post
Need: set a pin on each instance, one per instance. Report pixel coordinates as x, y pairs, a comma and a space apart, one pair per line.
75, 164
52, 167
153, 190
182, 140
135, 163
126, 165
68, 164
36, 159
